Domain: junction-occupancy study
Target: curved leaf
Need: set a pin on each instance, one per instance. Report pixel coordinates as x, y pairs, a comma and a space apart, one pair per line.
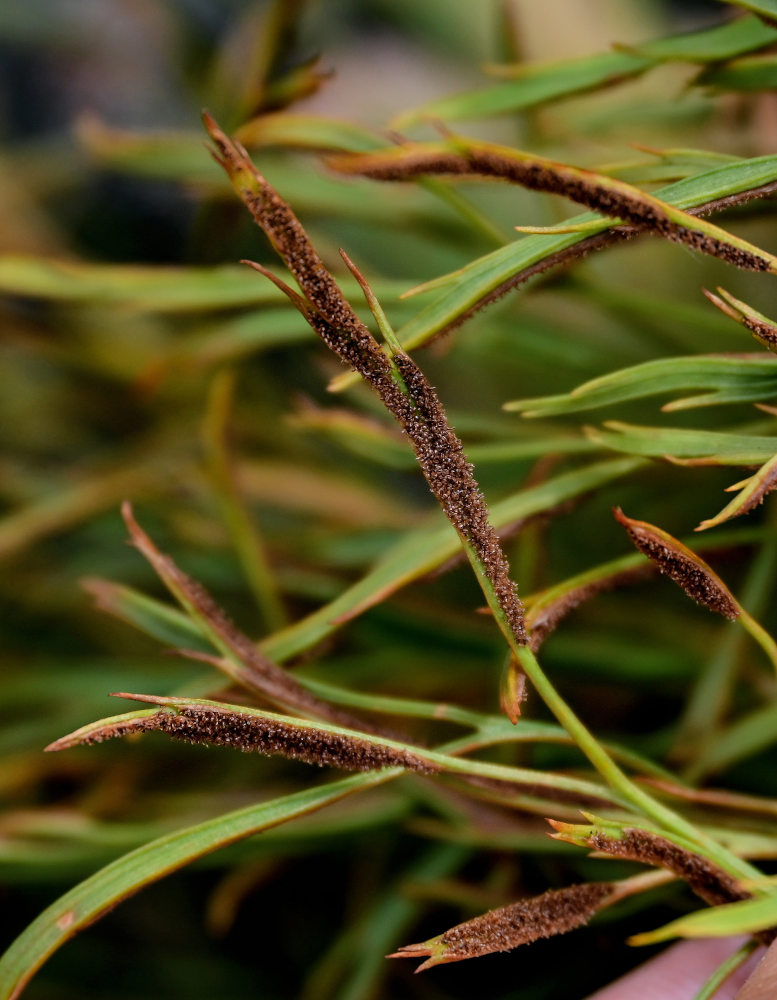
751, 493
538, 83
622, 202
246, 728
98, 894
152, 289
746, 917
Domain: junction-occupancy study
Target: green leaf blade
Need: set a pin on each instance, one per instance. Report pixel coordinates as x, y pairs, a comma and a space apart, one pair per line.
537, 84
96, 895
746, 917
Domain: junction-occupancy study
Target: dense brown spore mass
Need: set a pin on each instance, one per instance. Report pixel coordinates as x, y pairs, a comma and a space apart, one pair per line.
555, 912
580, 186
417, 408
710, 882
440, 454
682, 566
765, 333
706, 879
685, 572
272, 737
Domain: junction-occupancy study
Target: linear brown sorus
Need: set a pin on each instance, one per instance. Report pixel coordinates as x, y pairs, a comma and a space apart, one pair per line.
251, 731
398, 381
599, 192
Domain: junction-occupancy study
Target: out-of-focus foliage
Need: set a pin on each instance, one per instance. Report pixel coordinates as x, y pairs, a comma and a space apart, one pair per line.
140, 360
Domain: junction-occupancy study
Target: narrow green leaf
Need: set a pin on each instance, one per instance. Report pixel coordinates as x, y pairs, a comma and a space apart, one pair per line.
710, 45
420, 552
537, 84
747, 736
154, 289
698, 446
150, 616
735, 378
751, 493
766, 8
89, 900
752, 73
746, 917
669, 165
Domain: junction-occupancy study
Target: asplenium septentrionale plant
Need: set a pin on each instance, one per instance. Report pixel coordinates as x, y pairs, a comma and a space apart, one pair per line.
609, 793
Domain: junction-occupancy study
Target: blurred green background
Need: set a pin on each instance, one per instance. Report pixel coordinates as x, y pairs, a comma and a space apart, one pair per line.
109, 374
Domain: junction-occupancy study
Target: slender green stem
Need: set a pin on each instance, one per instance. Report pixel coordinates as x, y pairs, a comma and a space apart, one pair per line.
725, 969
617, 779
761, 636
620, 782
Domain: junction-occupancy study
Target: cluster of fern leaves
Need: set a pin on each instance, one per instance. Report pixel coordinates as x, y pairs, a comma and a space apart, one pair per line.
502, 655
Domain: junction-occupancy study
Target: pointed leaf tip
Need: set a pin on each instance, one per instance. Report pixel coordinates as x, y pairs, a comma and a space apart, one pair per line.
293, 296
750, 491
435, 949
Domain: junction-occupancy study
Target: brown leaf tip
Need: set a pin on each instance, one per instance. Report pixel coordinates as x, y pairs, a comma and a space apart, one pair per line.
681, 565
